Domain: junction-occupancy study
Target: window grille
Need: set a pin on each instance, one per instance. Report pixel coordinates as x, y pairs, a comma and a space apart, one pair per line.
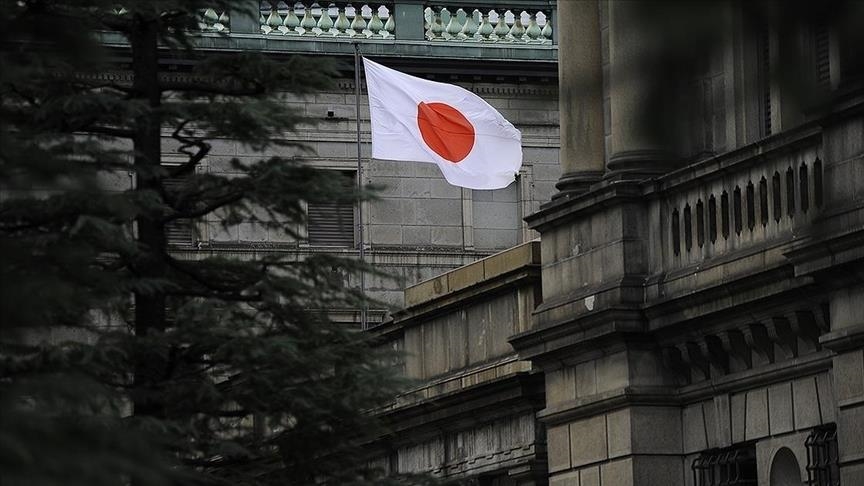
331, 223
726, 467
179, 233
823, 467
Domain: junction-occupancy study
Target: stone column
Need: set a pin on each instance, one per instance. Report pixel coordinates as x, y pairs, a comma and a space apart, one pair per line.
580, 101
847, 340
636, 148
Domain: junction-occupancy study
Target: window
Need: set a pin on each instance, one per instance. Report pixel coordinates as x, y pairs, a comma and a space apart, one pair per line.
331, 223
734, 466
179, 233
823, 467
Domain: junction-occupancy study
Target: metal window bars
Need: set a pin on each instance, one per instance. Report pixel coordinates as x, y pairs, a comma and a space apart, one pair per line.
823, 468
727, 467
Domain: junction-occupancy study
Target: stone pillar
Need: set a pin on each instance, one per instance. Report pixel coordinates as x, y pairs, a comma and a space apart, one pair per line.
847, 340
636, 149
245, 17
580, 102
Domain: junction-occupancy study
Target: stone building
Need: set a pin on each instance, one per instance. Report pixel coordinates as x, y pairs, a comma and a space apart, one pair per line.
420, 226
693, 312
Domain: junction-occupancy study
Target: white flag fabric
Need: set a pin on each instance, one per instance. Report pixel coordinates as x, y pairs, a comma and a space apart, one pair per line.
418, 120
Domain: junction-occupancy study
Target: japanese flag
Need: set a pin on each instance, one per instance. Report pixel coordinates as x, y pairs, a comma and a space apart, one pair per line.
418, 120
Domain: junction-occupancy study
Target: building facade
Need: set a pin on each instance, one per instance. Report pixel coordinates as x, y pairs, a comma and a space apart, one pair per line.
694, 310
419, 226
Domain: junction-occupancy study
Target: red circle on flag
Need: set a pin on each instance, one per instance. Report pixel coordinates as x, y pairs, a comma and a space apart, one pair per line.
445, 130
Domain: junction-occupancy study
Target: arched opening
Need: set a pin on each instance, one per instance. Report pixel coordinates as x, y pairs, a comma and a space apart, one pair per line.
785, 470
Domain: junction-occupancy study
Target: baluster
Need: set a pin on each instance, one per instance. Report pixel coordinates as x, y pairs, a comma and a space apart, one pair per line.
325, 22
376, 26
274, 21
469, 30
501, 29
208, 21
547, 30
533, 32
485, 30
224, 22
454, 26
307, 23
342, 24
358, 24
390, 25
436, 28
292, 21
517, 32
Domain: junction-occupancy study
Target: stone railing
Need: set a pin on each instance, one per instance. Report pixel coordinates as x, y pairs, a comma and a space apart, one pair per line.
488, 25
213, 20
753, 200
326, 19
437, 21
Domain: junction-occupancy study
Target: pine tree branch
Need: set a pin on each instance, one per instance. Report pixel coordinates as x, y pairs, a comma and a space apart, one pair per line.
194, 159
255, 90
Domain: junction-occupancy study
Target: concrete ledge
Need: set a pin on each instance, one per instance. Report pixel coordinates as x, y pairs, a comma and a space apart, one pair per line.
475, 273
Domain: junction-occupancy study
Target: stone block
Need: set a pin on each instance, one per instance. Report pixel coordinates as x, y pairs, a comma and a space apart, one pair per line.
517, 257
560, 385
252, 232
218, 232
723, 420
780, 412
827, 400
417, 188
589, 476
388, 186
618, 473
657, 470
385, 234
446, 236
386, 211
756, 414
737, 404
619, 432
656, 430
612, 372
850, 430
447, 212
558, 443
425, 291
566, 479
441, 189
495, 239
588, 441
417, 236
693, 428
495, 215
805, 402
465, 276
586, 379
849, 374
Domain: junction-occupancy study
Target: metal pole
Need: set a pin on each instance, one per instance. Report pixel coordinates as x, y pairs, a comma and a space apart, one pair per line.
363, 317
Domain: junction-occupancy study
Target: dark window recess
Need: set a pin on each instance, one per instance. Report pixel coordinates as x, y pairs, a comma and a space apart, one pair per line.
724, 213
763, 201
676, 233
700, 223
775, 182
331, 223
179, 233
790, 192
688, 228
822, 55
804, 183
817, 183
823, 467
751, 206
727, 467
764, 79
712, 218
736, 206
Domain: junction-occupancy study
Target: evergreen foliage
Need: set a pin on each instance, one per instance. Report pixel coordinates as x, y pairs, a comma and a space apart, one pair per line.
122, 362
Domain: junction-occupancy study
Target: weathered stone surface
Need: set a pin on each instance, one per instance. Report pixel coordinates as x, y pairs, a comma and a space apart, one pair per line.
781, 414
588, 442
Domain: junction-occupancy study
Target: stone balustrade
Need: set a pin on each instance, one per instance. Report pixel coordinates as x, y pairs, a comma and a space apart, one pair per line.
213, 20
756, 199
488, 25
376, 20
327, 19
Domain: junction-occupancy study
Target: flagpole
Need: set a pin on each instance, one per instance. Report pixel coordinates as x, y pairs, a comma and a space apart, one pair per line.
363, 317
